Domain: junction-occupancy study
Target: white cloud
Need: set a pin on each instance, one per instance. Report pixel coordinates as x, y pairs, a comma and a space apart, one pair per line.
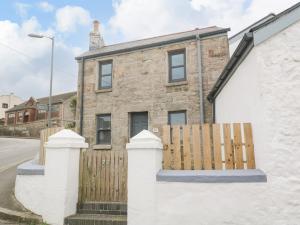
22, 9
69, 17
25, 67
142, 18
45, 6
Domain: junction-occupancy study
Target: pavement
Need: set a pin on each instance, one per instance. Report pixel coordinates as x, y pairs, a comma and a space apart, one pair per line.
13, 151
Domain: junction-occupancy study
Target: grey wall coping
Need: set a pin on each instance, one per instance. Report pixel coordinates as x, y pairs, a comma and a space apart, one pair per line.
30, 168
212, 176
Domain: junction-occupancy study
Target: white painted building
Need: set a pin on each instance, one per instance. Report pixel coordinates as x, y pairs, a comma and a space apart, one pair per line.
261, 84
7, 102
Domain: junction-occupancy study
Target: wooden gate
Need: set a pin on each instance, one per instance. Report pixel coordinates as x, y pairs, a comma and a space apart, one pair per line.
103, 176
44, 135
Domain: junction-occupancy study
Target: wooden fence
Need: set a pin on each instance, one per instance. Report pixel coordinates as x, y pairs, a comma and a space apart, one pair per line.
44, 135
103, 176
207, 146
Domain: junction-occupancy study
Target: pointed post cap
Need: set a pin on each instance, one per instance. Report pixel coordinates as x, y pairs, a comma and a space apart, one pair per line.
66, 139
144, 140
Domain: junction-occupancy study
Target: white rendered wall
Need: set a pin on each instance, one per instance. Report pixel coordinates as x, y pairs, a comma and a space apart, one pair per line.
265, 90
29, 190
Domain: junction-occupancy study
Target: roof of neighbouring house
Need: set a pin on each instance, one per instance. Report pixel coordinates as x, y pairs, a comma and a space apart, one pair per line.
247, 29
153, 42
255, 36
55, 100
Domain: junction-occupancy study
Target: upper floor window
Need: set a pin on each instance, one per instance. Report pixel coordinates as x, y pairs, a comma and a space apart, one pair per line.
4, 105
105, 74
177, 117
177, 66
103, 129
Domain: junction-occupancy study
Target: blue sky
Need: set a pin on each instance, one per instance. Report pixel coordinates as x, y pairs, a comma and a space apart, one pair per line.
25, 61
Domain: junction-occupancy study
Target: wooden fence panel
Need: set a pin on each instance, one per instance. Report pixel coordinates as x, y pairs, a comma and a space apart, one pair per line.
228, 146
197, 147
44, 135
187, 158
206, 147
238, 147
104, 176
217, 147
166, 148
176, 147
249, 146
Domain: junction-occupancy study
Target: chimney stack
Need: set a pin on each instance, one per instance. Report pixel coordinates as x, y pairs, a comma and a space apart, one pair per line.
96, 40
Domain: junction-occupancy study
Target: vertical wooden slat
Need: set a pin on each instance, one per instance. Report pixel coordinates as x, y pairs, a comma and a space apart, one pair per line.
112, 174
206, 147
187, 159
107, 174
98, 176
217, 146
166, 146
121, 175
249, 146
80, 188
125, 174
88, 191
227, 146
238, 150
116, 194
102, 176
176, 144
197, 147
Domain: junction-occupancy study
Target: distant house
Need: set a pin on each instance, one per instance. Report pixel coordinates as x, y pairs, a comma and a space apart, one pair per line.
261, 84
145, 84
36, 110
7, 102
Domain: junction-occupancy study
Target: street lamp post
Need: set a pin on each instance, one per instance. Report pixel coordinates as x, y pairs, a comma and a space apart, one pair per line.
51, 73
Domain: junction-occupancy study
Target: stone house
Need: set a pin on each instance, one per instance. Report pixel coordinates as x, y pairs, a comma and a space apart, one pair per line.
145, 84
7, 102
34, 110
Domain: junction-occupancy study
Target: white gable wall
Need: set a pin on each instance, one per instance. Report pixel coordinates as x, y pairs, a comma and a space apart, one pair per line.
265, 90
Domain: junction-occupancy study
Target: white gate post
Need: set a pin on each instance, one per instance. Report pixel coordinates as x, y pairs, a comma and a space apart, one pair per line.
144, 161
62, 175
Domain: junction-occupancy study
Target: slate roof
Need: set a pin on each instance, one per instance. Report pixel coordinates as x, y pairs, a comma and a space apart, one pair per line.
152, 42
55, 100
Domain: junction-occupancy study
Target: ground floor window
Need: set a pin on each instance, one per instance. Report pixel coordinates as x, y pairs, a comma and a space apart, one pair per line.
103, 129
177, 117
138, 122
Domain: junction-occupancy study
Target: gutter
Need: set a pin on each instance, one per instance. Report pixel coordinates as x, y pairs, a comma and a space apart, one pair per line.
81, 97
191, 37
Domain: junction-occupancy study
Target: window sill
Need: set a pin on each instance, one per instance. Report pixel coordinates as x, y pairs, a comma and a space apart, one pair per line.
101, 147
104, 90
179, 83
212, 176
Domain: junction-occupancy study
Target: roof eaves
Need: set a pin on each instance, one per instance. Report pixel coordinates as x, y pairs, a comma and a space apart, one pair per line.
232, 64
171, 41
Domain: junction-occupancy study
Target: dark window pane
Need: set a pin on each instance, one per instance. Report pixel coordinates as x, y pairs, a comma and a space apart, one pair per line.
178, 73
104, 122
106, 68
177, 118
177, 60
104, 137
106, 81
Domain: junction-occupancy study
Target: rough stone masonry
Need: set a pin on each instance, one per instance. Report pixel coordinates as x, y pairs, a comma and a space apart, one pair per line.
140, 84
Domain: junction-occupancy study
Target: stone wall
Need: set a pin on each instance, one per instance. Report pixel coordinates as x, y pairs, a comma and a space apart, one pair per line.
140, 83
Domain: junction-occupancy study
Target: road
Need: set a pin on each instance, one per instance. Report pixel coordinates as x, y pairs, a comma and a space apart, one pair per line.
13, 151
